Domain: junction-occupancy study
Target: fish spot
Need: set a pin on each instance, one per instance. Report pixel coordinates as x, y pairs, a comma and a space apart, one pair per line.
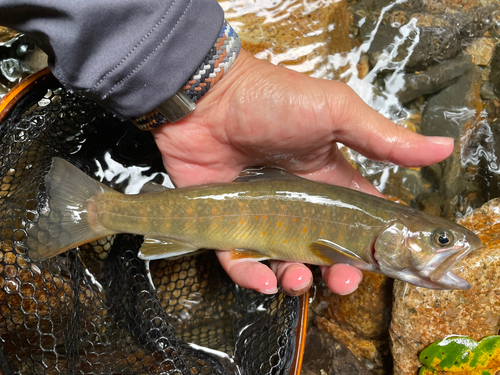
168, 225
363, 234
293, 239
284, 241
322, 233
186, 225
256, 216
176, 216
240, 204
264, 217
201, 219
232, 222
294, 219
250, 227
214, 211
189, 210
287, 228
341, 237
333, 230
314, 228
225, 230
272, 232
214, 226
263, 233
282, 207
274, 242
242, 221
227, 213
279, 224
304, 230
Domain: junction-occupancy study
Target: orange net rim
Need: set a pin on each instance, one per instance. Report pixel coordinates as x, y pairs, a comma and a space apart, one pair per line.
18, 91
300, 333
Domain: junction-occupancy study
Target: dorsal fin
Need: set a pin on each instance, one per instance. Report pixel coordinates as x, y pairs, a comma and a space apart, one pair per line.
265, 173
153, 187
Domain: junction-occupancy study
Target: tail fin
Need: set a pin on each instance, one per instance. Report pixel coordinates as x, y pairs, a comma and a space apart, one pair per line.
68, 221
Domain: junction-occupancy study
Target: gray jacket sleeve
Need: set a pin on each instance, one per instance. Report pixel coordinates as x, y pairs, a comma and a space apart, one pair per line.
128, 55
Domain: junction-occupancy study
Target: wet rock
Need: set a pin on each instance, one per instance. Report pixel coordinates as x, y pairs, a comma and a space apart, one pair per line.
335, 357
478, 21
494, 77
433, 315
435, 44
374, 354
383, 38
483, 153
434, 78
366, 311
447, 112
487, 91
481, 50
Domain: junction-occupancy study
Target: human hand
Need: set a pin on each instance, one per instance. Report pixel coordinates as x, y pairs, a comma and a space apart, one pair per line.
263, 115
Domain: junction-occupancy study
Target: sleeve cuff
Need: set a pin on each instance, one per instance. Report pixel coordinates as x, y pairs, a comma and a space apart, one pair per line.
217, 62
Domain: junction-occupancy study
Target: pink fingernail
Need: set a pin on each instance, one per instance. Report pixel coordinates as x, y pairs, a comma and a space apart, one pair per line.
442, 141
269, 291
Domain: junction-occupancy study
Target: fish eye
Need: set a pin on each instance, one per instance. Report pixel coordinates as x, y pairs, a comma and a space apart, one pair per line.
442, 238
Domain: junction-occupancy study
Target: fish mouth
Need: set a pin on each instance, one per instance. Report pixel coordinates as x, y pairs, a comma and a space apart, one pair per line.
445, 267
449, 281
443, 270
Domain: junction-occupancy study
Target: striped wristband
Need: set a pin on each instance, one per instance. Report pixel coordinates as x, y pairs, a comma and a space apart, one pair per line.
217, 62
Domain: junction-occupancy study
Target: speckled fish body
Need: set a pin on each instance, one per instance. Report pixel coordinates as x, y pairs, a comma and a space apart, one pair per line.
267, 214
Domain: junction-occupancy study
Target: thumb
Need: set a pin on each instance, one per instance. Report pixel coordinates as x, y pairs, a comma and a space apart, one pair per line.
371, 134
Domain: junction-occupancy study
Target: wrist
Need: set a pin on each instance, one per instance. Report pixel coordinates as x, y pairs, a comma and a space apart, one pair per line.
217, 63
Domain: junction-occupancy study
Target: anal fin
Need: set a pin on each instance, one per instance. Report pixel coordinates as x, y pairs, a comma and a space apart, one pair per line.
155, 248
240, 254
331, 253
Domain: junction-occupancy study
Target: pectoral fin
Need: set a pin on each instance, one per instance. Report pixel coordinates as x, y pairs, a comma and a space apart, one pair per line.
154, 248
239, 254
332, 253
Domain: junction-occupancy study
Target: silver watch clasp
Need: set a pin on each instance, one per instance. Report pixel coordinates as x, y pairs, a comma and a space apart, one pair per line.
178, 106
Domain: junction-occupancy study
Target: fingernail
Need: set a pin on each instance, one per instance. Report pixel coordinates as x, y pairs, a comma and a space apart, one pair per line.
442, 141
349, 291
269, 291
301, 288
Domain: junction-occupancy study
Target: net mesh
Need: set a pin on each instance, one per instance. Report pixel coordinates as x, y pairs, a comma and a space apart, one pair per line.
99, 309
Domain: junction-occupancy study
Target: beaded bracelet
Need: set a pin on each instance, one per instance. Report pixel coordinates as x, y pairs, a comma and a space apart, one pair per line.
217, 62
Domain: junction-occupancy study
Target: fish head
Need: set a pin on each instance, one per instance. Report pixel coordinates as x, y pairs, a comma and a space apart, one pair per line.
421, 249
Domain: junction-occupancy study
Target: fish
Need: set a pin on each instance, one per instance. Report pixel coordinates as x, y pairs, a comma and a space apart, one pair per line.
265, 213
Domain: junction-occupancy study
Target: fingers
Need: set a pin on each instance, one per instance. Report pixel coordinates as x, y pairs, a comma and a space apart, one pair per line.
341, 278
295, 278
368, 132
